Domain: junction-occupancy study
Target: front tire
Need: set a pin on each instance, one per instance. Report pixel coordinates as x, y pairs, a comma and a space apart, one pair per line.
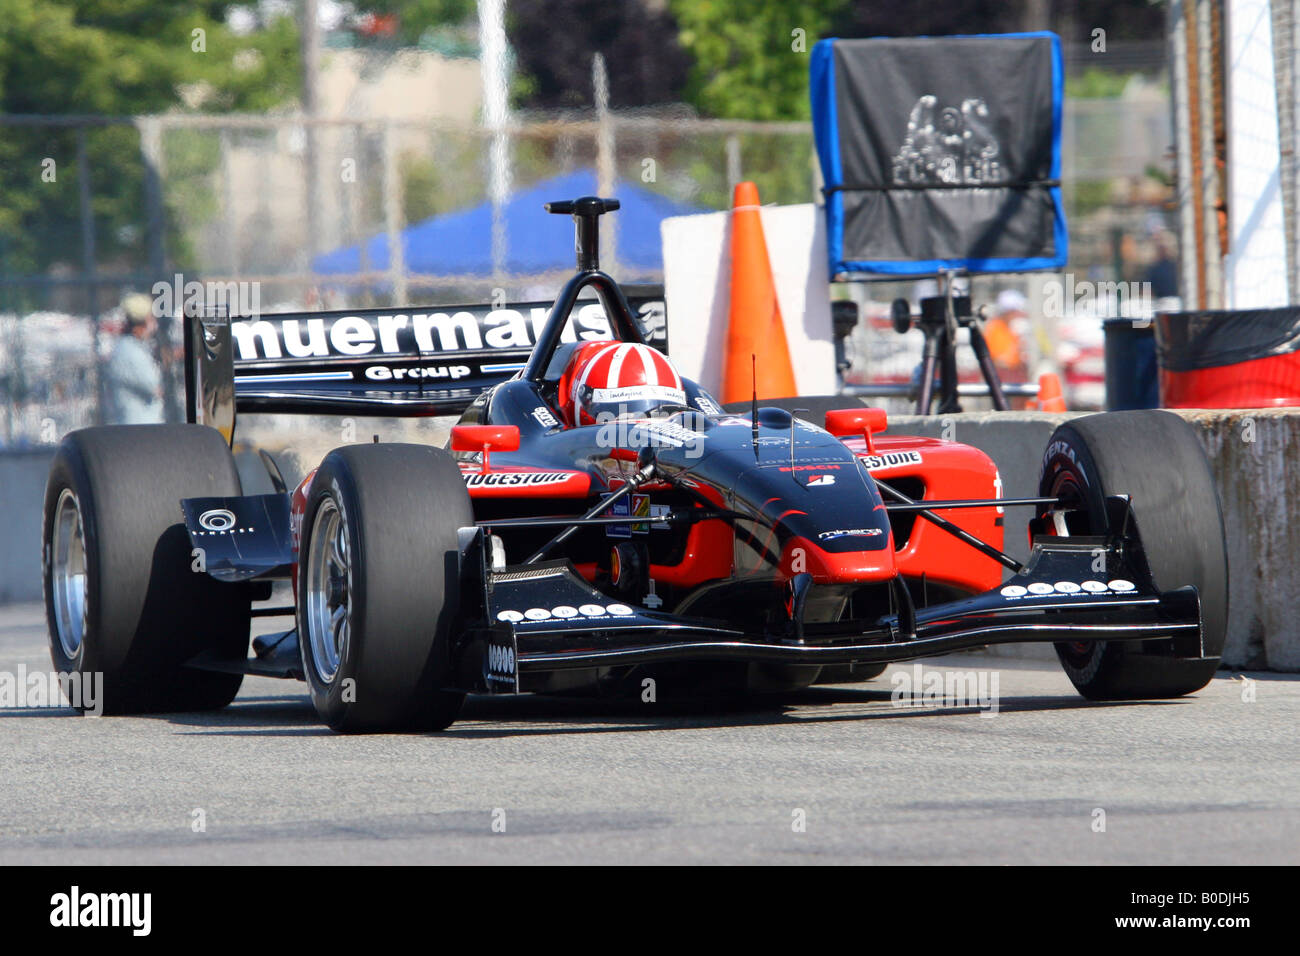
1155, 458
122, 598
379, 587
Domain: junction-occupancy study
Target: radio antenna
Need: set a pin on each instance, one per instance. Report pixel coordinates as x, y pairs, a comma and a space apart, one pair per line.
753, 407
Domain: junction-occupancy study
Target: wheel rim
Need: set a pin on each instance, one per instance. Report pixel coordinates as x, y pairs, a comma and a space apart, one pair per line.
68, 574
329, 592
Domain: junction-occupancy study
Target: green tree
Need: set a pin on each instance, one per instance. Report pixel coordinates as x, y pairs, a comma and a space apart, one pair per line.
751, 56
114, 58
647, 66
415, 18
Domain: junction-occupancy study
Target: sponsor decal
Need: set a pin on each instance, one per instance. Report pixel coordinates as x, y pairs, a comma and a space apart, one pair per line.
826, 467
850, 532
217, 519
638, 393
733, 420
500, 665
501, 659
1041, 588
638, 507
542, 415
471, 328
890, 459
514, 479
671, 433
619, 509
385, 373
707, 405
820, 481
565, 612
1065, 450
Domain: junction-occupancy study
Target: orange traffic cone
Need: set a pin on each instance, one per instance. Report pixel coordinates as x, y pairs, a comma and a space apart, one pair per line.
754, 326
1050, 398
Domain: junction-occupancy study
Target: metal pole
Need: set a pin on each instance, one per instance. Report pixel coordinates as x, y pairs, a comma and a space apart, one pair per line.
151, 154
310, 41
496, 116
1188, 262
228, 202
1212, 264
1293, 145
605, 166
393, 217
88, 264
733, 163
1285, 40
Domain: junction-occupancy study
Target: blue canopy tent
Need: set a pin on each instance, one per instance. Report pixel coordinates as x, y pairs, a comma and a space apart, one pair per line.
460, 243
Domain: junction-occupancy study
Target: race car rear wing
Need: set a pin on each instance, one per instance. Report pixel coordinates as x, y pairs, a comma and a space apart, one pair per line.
431, 360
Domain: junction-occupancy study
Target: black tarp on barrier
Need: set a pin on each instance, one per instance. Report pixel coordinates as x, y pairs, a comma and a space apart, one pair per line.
1187, 341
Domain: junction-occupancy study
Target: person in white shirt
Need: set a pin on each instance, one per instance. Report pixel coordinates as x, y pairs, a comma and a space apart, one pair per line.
132, 378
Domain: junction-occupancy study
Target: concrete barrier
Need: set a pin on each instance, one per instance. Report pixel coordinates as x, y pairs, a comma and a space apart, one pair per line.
22, 489
1253, 454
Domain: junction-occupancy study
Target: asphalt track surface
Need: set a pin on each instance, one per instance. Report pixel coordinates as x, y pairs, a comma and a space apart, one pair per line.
1211, 779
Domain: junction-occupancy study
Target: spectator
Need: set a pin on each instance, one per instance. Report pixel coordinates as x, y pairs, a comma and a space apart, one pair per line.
1163, 272
1003, 333
133, 381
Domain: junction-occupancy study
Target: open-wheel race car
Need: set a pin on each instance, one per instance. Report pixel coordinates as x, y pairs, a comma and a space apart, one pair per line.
597, 520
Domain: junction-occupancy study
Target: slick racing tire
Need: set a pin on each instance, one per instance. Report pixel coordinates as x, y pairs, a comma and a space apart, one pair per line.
122, 596
379, 587
1155, 458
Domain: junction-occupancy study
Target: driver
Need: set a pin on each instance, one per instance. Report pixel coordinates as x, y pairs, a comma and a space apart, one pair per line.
607, 381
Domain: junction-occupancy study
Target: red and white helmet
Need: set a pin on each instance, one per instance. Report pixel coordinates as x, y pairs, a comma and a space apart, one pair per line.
620, 380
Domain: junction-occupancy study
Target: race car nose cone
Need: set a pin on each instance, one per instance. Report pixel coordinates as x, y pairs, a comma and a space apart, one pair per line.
801, 555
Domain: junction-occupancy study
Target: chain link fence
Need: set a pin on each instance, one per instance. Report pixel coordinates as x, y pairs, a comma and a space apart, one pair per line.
128, 202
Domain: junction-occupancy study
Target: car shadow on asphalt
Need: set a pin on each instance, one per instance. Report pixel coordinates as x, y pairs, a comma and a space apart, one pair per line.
536, 715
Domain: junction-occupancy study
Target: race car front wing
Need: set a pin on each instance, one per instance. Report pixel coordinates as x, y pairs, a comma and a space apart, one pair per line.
544, 617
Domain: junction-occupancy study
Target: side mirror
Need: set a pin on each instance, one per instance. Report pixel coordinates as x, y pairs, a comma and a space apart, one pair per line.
484, 438
857, 421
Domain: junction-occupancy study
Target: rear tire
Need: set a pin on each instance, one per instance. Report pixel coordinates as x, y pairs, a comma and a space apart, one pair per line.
379, 587
1155, 458
121, 596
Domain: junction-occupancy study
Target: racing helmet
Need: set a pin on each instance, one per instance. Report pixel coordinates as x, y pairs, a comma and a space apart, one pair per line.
619, 380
